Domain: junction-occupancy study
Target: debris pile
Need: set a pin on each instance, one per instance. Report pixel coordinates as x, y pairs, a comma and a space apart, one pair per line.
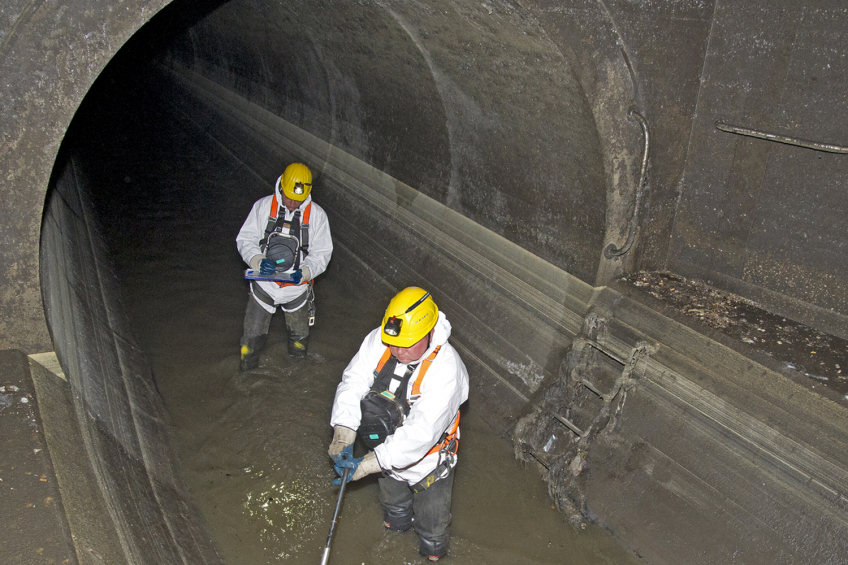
817, 355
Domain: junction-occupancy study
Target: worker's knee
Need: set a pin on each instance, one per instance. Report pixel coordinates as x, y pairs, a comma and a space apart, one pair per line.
249, 354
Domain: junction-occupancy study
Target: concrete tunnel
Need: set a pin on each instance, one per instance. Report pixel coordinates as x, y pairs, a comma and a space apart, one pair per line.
522, 158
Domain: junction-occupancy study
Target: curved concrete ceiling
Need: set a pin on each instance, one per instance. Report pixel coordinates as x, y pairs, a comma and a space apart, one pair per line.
475, 105
513, 116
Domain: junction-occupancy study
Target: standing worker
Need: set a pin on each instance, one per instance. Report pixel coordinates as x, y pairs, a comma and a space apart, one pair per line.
285, 233
402, 392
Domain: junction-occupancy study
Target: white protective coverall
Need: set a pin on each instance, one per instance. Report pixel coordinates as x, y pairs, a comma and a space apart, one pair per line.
444, 388
320, 244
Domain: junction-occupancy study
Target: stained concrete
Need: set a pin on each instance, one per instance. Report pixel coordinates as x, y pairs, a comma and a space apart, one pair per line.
32, 520
457, 103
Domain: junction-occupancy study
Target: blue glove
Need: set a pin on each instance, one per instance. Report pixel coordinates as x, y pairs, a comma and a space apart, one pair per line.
267, 267
346, 453
296, 276
343, 464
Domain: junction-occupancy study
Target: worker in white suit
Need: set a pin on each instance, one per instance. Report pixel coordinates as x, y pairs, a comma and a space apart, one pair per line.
402, 392
287, 236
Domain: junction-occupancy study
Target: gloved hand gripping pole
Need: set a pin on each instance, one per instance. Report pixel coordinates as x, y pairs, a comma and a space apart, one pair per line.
326, 555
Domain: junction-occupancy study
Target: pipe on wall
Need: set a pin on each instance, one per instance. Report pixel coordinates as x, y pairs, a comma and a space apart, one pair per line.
611, 250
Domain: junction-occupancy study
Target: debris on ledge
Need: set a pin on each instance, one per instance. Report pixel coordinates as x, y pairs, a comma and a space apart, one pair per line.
821, 357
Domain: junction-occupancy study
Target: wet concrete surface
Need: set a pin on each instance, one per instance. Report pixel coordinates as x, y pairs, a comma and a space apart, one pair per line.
252, 446
33, 528
814, 358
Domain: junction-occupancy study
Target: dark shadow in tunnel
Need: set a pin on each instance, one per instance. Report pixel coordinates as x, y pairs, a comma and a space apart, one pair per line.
128, 499
140, 504
104, 362
119, 409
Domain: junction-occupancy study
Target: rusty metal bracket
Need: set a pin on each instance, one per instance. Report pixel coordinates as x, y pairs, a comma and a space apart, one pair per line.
624, 381
567, 423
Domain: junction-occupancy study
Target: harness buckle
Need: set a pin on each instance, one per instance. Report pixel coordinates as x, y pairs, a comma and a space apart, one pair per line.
310, 309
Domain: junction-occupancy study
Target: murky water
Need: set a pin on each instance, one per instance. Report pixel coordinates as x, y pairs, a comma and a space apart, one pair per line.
253, 445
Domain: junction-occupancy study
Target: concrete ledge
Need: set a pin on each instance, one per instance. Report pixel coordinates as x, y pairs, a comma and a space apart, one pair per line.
93, 532
702, 456
33, 528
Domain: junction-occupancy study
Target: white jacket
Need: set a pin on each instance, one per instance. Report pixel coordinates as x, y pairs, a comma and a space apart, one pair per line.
320, 244
444, 388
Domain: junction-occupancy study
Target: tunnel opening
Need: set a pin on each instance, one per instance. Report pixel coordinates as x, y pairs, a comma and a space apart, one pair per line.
97, 231
407, 153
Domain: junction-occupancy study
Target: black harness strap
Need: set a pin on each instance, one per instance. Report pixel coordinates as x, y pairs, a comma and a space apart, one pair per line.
271, 226
276, 222
383, 379
263, 296
304, 239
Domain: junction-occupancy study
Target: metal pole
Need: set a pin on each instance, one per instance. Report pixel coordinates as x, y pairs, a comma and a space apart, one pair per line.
829, 147
326, 556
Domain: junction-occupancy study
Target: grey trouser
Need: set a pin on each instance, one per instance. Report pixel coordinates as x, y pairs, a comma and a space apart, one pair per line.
431, 509
257, 321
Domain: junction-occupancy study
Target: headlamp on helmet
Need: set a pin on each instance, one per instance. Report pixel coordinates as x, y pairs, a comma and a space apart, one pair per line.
410, 316
392, 326
296, 182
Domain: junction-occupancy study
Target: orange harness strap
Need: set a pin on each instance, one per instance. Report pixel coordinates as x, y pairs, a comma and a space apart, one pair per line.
274, 207
416, 391
451, 437
416, 386
383, 359
274, 210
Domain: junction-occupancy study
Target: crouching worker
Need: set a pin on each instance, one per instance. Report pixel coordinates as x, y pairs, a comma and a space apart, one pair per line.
402, 392
286, 233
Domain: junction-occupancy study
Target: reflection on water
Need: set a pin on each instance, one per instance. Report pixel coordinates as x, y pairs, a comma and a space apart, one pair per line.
252, 446
281, 511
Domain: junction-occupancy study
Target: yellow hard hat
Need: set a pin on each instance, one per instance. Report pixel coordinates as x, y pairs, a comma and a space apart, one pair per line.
410, 316
296, 182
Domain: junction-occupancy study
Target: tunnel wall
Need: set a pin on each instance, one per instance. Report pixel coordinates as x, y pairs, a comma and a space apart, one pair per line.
50, 54
118, 409
473, 106
480, 101
746, 215
619, 52
611, 427
757, 217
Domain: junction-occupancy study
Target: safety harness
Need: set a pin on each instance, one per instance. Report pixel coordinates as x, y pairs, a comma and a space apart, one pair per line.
383, 413
294, 229
278, 226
